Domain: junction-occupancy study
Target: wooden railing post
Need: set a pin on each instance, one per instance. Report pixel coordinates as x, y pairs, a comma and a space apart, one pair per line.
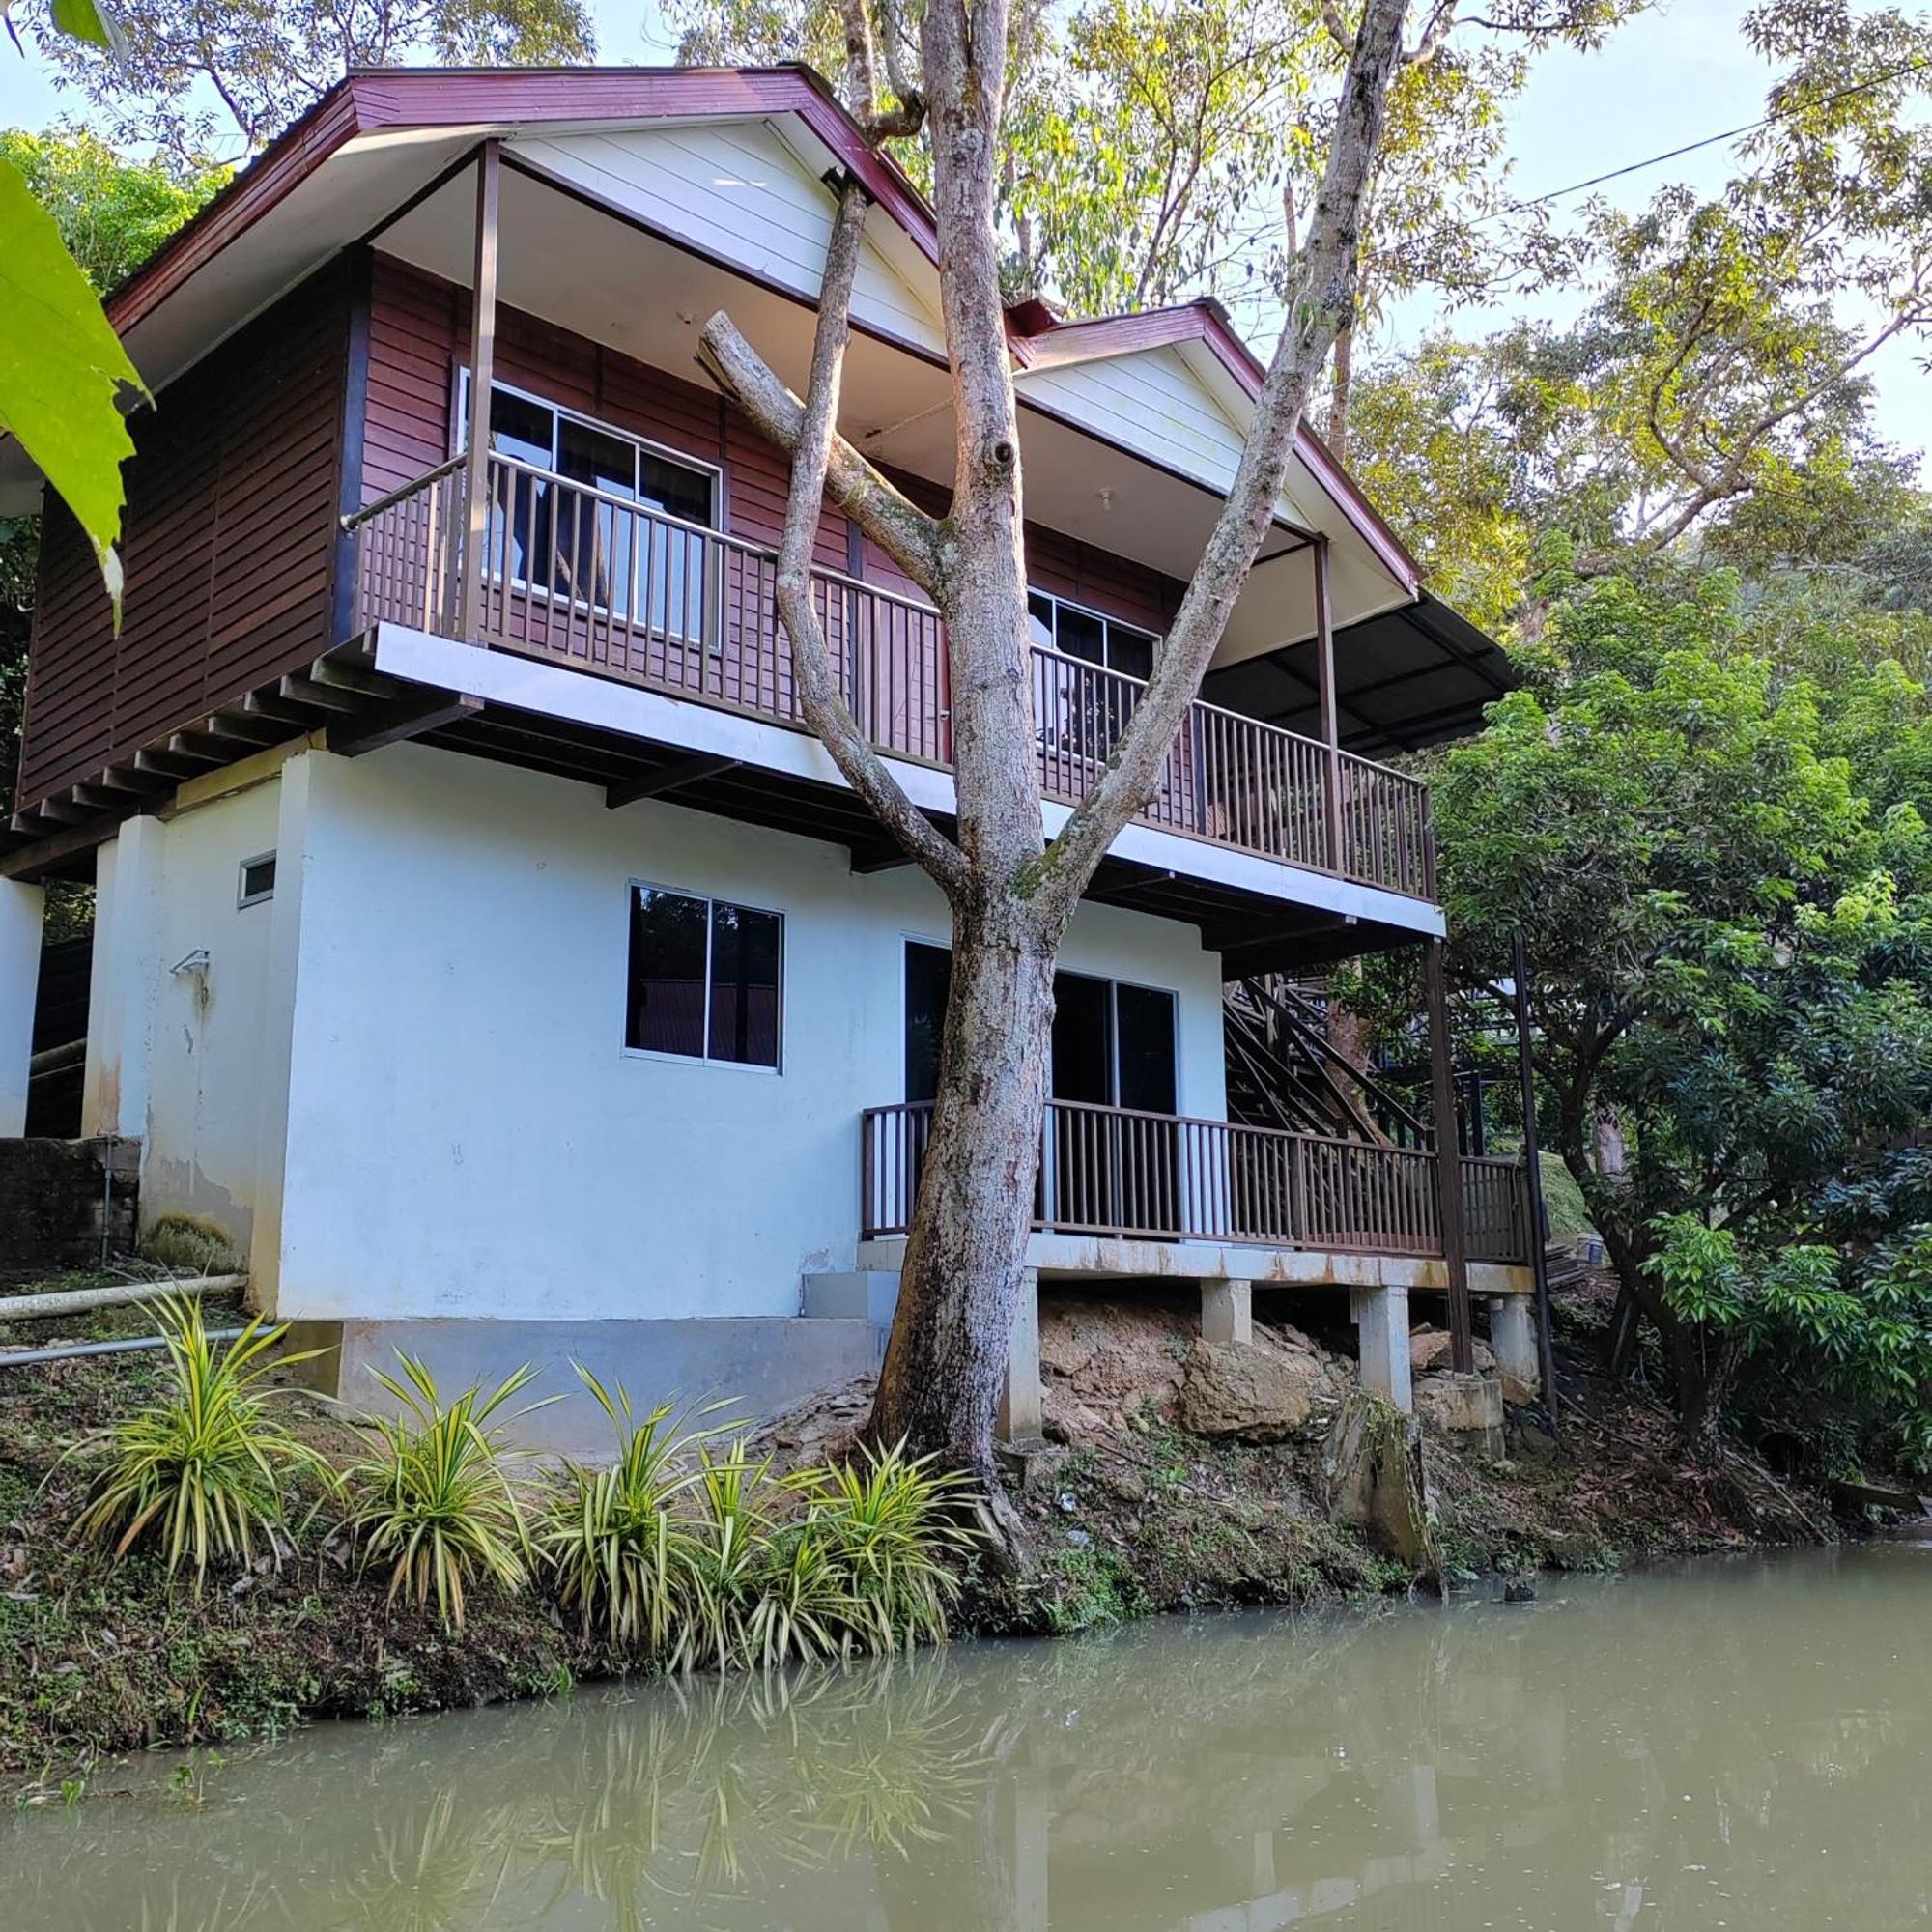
482, 371
1331, 729
1448, 1158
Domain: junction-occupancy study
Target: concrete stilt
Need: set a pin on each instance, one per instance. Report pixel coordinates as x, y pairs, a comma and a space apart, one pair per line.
1020, 1416
1512, 1340
1381, 1315
1228, 1312
21, 908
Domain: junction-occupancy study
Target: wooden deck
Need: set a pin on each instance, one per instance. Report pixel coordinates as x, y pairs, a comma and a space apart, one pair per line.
1111, 1172
584, 577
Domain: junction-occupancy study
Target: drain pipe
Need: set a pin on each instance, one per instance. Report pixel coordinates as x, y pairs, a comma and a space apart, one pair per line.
118, 1295
67, 1352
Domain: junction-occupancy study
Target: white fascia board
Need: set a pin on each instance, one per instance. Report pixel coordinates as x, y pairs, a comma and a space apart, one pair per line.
554, 690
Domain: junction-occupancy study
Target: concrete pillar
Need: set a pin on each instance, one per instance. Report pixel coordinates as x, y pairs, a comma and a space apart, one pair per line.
1512, 1340
268, 1238
22, 909
1228, 1312
124, 981
1019, 1418
1381, 1315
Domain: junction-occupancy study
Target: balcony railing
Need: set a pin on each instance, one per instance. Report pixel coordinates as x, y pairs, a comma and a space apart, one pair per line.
1154, 1177
578, 576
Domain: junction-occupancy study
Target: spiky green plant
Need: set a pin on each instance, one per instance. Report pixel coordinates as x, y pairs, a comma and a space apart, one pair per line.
733, 1499
617, 1548
894, 1533
802, 1606
439, 1502
207, 1468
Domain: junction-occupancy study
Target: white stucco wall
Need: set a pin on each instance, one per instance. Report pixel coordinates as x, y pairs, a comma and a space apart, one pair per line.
465, 1134
176, 1057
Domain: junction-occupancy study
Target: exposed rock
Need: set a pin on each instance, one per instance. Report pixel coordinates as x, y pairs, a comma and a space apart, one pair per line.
1101, 1361
1466, 1408
1429, 1349
1249, 1394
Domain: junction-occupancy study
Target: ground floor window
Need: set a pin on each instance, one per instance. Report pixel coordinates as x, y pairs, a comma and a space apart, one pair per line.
706, 978
1113, 1045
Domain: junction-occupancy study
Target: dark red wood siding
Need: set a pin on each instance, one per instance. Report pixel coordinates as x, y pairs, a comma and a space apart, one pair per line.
420, 337
228, 547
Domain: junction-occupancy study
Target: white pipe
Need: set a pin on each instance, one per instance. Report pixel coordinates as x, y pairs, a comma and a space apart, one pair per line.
121, 1295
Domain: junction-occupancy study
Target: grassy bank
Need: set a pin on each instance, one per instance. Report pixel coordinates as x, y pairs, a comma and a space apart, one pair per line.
1130, 1514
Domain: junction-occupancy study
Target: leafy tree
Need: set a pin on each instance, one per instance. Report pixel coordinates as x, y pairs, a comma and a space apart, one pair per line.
110, 215
1723, 871
1010, 889
196, 76
112, 212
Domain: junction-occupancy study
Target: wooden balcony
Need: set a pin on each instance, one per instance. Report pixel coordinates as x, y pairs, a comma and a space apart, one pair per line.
579, 576
1154, 1177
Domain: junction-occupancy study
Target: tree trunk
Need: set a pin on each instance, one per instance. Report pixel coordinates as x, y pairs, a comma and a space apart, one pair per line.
1341, 379
960, 1282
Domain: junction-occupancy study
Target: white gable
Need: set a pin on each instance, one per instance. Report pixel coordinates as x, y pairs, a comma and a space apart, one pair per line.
736, 189
1155, 402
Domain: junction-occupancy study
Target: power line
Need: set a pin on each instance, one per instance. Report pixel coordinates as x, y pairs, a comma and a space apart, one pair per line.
1763, 121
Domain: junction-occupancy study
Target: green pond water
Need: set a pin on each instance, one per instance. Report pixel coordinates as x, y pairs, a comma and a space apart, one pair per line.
1743, 1743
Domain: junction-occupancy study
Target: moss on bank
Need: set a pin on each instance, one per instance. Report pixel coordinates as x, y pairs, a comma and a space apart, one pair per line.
98, 1659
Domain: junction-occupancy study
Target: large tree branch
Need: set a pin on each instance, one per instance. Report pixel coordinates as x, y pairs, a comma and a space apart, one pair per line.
819, 696
912, 539
1322, 306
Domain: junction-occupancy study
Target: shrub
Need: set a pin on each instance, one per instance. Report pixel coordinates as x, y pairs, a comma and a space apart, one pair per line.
619, 1551
892, 1532
208, 1466
438, 1504
731, 1537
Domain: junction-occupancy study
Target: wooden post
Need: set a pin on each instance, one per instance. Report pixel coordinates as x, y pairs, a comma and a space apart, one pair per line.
1325, 694
1532, 1159
1448, 1158
482, 369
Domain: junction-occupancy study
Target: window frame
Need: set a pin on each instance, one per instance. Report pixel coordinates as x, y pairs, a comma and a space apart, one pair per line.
710, 902
909, 939
640, 446
243, 898
1152, 639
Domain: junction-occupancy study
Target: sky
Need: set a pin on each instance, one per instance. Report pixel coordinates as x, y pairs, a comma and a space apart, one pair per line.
1672, 75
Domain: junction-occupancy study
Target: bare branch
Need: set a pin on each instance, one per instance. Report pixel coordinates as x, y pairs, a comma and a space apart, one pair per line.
1323, 304
912, 539
820, 697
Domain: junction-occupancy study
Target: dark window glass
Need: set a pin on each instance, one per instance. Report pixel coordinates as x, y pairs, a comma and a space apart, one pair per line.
929, 980
593, 537
258, 879
520, 428
1040, 619
1130, 652
745, 949
1083, 1039
1145, 1019
668, 972
671, 597
1081, 636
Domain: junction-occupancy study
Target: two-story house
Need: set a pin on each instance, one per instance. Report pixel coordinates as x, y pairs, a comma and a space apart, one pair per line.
480, 940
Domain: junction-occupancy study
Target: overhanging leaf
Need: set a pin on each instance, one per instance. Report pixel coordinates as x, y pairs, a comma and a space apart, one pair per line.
61, 368
88, 20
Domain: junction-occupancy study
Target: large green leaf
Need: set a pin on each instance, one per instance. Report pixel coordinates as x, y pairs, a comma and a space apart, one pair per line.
61, 368
87, 20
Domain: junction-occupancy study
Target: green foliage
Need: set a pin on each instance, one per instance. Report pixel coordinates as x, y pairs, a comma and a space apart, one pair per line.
194, 80
204, 1469
62, 371
1723, 867
112, 212
617, 1546
439, 1503
892, 1535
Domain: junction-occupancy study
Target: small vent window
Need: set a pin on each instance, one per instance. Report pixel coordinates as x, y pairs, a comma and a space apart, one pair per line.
258, 880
